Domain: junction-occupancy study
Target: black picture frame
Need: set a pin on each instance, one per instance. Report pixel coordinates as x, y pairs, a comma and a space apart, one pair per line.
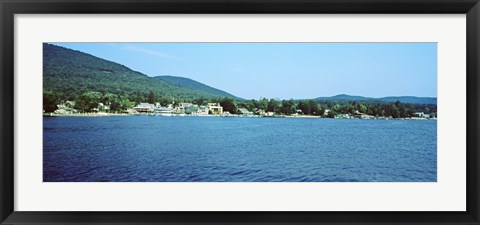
9, 8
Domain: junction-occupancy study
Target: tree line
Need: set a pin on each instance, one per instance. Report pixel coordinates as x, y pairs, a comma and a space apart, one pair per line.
331, 108
89, 101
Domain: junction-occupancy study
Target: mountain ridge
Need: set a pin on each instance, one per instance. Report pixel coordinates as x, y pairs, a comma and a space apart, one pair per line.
403, 99
193, 84
71, 73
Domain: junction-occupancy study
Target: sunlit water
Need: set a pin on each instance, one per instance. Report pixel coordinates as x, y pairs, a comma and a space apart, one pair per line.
186, 149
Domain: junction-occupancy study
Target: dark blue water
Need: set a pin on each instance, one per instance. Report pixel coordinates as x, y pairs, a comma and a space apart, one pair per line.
186, 149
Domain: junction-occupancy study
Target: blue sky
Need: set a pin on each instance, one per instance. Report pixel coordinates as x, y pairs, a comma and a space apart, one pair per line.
285, 70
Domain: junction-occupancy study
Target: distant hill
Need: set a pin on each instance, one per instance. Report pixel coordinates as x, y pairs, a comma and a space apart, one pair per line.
403, 99
70, 73
411, 99
195, 85
344, 97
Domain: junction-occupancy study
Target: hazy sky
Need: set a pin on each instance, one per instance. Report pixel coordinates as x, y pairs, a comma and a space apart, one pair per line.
285, 70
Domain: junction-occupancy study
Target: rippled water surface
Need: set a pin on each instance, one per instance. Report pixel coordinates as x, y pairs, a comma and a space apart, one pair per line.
186, 149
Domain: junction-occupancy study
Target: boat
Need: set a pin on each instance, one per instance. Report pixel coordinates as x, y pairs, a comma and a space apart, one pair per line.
164, 111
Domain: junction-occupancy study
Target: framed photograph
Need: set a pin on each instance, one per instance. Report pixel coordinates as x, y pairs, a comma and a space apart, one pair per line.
239, 112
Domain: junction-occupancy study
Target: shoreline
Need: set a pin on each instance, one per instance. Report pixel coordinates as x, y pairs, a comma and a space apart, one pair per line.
224, 115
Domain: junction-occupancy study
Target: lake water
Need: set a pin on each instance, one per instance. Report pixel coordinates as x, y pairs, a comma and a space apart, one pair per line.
235, 149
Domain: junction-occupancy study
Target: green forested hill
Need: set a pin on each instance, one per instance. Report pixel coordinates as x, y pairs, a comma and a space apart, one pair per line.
68, 74
195, 85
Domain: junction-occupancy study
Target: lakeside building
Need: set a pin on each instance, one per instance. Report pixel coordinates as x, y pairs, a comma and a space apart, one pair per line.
422, 115
259, 111
325, 113
70, 104
66, 108
268, 114
215, 108
245, 111
164, 111
343, 116
192, 109
362, 115
419, 114
102, 107
144, 107
131, 111
181, 109
197, 110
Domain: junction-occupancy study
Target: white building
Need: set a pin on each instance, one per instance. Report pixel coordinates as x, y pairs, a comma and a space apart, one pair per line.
215, 108
144, 107
245, 111
419, 114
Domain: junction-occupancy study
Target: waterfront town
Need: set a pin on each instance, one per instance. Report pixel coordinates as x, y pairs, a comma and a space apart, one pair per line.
79, 84
212, 109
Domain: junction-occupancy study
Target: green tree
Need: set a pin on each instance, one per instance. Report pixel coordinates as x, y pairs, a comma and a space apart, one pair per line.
50, 101
332, 114
151, 97
88, 101
109, 98
164, 101
304, 107
125, 103
274, 106
337, 108
229, 105
362, 108
288, 107
199, 101
137, 97
314, 108
395, 112
263, 104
